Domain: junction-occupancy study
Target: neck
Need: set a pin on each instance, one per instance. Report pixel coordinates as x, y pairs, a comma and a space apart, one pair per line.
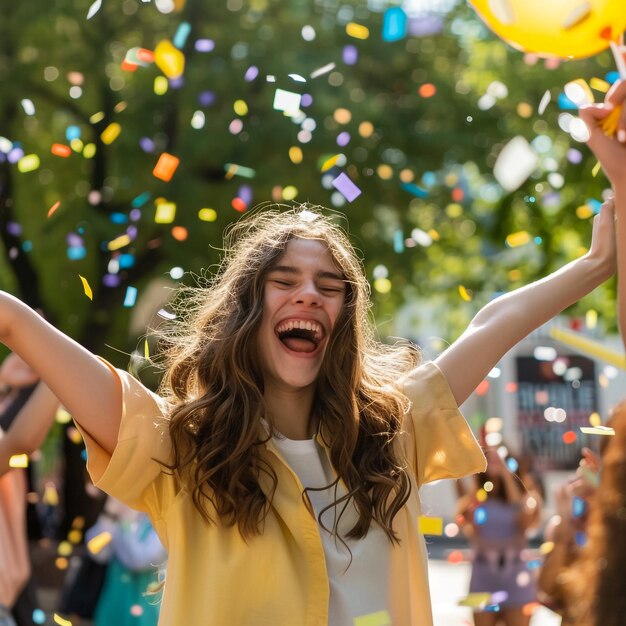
290, 411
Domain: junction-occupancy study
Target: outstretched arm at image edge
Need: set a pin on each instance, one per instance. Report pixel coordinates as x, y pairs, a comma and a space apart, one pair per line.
84, 384
30, 427
505, 321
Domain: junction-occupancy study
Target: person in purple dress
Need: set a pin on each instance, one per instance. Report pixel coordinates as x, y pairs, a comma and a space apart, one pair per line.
497, 516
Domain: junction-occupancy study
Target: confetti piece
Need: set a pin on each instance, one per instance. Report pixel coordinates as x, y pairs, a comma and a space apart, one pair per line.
589, 347
380, 618
119, 242
169, 59
346, 187
182, 32
579, 92
545, 101
53, 208
99, 542
475, 600
414, 189
287, 101
146, 350
596, 169
599, 85
180, 233
394, 24
207, 215
465, 294
111, 133
61, 621
320, 71
94, 8
329, 163
161, 85
86, 287
430, 525
131, 296
297, 78
232, 169
610, 123
515, 163
28, 163
18, 461
60, 150
165, 167
514, 240
165, 213
597, 430
358, 31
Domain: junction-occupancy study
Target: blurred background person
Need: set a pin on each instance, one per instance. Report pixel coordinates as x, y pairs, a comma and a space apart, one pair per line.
496, 515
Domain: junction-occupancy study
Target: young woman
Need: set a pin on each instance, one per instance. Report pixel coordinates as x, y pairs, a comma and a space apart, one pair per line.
281, 462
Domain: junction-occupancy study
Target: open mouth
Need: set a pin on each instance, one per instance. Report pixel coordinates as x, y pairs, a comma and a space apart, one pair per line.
300, 335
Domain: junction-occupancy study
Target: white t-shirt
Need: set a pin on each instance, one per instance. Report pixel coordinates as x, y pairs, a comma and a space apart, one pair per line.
363, 587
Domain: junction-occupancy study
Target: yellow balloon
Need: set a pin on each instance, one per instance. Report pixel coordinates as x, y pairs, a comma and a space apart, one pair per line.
561, 28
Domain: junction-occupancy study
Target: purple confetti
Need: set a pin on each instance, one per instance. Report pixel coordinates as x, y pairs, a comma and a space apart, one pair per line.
346, 187
146, 144
206, 98
350, 55
205, 45
251, 73
13, 228
306, 100
343, 139
111, 280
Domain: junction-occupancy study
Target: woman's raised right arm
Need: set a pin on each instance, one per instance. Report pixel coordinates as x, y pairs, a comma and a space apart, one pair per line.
81, 381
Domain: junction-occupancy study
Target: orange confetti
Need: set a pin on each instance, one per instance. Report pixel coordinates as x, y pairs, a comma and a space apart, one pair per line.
569, 437
61, 150
179, 233
238, 204
53, 208
127, 66
165, 167
427, 90
456, 556
530, 608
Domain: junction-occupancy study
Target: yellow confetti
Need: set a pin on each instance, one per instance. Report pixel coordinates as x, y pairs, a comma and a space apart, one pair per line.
207, 215
380, 618
64, 548
62, 416
517, 239
547, 547
146, 350
382, 285
591, 319
28, 163
475, 600
119, 242
111, 133
596, 169
599, 85
160, 86
240, 107
611, 121
594, 419
165, 213
358, 31
328, 163
295, 154
169, 59
584, 212
97, 117
465, 294
99, 542
430, 525
86, 287
61, 621
89, 150
18, 461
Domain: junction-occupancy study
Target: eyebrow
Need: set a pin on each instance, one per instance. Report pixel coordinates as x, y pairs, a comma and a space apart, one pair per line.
289, 269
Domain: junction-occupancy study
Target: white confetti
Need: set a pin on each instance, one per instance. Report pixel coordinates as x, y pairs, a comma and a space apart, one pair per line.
515, 163
94, 8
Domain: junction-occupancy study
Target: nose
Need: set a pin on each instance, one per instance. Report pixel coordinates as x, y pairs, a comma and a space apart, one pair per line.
308, 294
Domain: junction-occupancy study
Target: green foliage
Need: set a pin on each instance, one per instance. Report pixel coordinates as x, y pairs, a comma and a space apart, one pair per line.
445, 143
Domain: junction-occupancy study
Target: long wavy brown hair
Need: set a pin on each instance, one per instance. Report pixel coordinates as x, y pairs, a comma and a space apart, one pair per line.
214, 383
596, 585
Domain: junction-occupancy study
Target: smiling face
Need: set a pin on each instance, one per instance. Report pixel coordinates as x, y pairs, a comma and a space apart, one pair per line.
304, 293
